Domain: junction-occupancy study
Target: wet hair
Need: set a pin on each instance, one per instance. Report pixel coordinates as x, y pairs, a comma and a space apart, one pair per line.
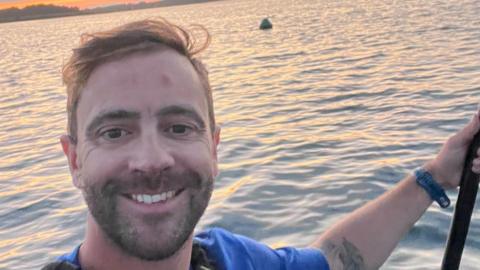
98, 48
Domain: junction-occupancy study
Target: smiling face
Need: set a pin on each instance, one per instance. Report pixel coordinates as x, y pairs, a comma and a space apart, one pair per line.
145, 158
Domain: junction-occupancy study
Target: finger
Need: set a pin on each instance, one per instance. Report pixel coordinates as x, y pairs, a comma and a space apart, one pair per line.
476, 162
476, 165
465, 136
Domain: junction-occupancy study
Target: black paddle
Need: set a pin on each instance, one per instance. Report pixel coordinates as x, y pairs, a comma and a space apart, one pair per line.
463, 210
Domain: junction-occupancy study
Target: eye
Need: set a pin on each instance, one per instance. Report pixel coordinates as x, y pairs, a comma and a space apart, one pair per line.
180, 129
114, 134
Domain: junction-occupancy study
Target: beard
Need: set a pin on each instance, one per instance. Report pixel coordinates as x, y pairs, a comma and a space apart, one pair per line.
165, 233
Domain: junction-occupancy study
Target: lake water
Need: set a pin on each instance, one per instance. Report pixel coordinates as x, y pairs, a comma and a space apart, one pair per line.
328, 110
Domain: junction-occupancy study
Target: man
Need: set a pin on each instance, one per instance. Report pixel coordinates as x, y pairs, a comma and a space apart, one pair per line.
142, 147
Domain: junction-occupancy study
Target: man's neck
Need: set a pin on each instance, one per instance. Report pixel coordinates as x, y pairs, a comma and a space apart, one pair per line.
99, 253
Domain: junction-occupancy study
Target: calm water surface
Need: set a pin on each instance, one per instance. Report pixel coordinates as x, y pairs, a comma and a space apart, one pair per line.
328, 110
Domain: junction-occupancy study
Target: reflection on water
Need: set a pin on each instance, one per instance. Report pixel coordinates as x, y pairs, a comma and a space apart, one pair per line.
319, 115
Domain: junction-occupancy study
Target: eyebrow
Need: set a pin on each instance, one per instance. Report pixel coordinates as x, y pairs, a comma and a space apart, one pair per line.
185, 110
110, 116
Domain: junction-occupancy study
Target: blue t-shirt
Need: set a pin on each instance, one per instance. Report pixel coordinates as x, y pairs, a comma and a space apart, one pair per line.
229, 251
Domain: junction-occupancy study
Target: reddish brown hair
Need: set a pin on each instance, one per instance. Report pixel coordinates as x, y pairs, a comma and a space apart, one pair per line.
147, 35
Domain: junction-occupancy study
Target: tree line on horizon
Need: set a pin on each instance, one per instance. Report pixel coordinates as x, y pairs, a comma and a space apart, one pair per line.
35, 10
41, 11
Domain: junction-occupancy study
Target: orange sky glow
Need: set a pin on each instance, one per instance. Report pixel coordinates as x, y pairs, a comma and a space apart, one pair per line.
68, 3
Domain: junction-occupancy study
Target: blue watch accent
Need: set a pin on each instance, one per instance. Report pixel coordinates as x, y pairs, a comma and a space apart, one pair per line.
436, 192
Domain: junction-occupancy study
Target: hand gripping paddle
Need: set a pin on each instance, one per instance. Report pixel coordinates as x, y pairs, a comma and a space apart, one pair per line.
463, 210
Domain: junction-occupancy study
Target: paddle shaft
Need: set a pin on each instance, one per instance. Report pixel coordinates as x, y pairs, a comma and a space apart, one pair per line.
463, 210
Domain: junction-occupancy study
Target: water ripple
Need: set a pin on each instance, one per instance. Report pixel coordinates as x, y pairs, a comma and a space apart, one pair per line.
321, 114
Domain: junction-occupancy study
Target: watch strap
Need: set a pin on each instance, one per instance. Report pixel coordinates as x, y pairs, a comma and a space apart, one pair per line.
434, 190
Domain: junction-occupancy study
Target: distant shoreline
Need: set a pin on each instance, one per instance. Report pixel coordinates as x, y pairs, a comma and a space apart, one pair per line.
26, 14
41, 17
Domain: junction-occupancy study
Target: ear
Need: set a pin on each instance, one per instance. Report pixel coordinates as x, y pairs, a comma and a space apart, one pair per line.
216, 142
69, 147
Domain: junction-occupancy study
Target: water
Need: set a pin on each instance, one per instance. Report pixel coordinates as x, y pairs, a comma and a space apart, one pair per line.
323, 113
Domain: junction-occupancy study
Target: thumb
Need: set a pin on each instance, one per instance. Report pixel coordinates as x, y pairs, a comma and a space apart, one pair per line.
465, 136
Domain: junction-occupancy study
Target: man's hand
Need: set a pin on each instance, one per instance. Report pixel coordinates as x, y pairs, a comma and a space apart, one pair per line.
447, 166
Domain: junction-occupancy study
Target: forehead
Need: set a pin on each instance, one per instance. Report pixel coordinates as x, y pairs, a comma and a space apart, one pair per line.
143, 82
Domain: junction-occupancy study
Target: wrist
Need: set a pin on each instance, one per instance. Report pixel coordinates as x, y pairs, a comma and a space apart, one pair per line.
431, 168
427, 182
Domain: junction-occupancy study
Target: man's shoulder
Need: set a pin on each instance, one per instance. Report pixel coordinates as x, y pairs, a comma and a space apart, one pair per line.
234, 251
68, 261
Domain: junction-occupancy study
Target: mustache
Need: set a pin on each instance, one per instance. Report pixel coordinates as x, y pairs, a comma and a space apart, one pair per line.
164, 181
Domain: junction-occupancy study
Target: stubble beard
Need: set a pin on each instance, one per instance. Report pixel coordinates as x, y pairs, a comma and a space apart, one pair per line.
120, 228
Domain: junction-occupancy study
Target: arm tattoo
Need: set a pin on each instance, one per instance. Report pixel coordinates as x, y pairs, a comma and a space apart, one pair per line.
344, 256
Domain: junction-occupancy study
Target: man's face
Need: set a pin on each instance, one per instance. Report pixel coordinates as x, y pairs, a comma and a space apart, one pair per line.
145, 159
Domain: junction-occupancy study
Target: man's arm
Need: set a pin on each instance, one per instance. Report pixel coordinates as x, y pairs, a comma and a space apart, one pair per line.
365, 238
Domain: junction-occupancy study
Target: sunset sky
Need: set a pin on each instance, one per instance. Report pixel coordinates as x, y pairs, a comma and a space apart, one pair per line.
71, 3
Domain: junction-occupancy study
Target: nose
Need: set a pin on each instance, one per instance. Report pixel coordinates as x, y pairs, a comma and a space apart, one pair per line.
150, 157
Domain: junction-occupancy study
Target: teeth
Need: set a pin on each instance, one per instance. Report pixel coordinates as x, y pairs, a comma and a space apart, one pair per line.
149, 199
156, 198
